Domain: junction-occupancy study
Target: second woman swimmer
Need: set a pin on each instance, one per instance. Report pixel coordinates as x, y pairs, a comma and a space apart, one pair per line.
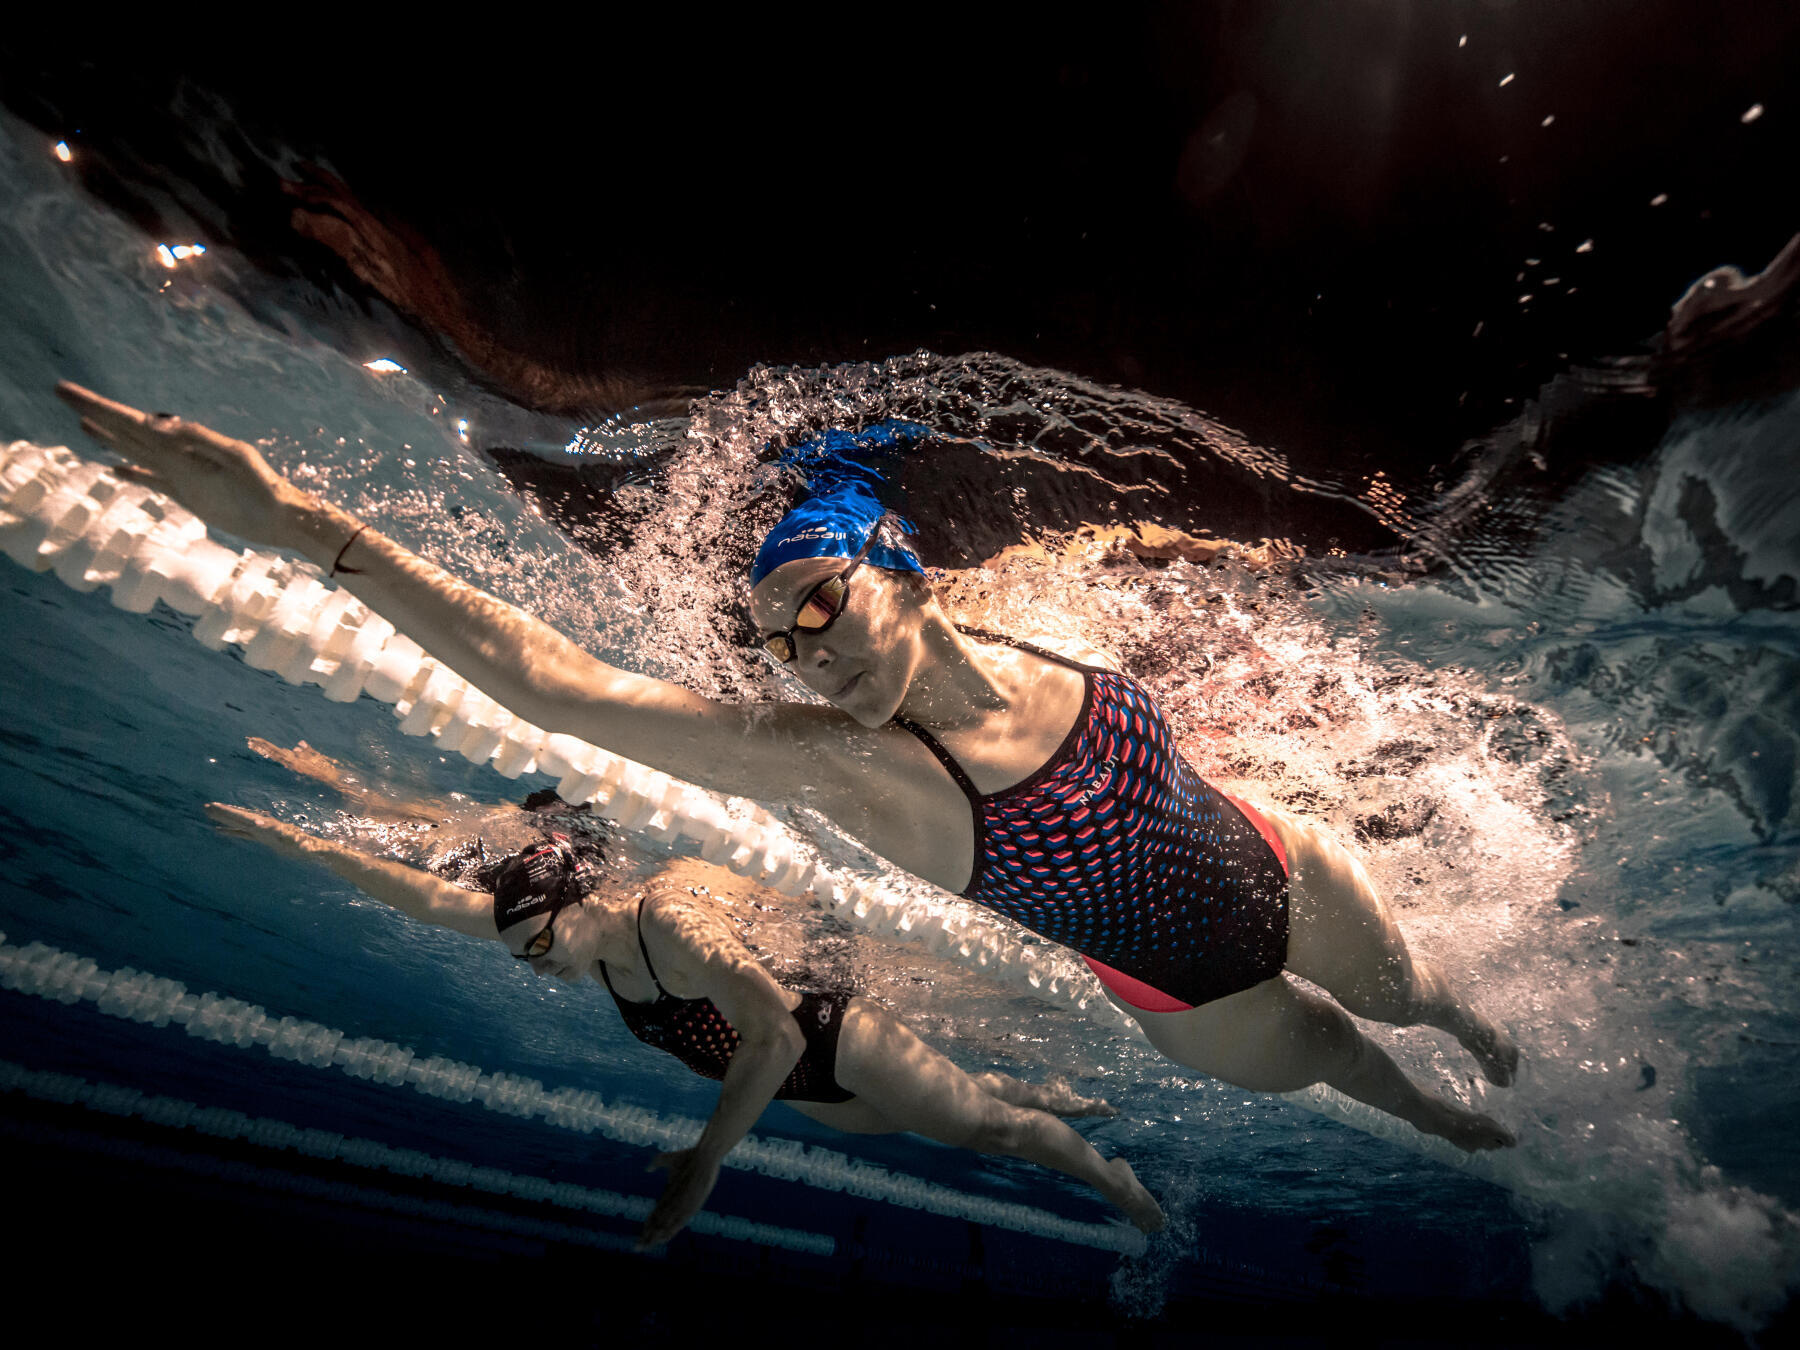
685, 983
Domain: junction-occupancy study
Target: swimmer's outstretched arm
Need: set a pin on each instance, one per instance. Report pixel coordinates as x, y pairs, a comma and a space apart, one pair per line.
770, 752
417, 894
696, 954
321, 768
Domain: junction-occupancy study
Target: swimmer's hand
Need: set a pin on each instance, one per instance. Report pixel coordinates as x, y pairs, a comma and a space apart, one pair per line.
691, 1180
227, 483
275, 835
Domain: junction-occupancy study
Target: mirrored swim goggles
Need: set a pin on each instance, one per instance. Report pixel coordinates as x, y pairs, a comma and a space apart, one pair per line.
823, 604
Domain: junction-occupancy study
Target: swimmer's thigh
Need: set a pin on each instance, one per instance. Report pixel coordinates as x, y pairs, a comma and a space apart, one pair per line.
1340, 934
1272, 1037
853, 1117
905, 1082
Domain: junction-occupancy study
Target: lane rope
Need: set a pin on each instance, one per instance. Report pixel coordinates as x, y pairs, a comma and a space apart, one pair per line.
266, 1132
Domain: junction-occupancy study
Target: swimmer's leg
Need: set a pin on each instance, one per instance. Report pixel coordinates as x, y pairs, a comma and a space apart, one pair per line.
1342, 938
903, 1084
1278, 1037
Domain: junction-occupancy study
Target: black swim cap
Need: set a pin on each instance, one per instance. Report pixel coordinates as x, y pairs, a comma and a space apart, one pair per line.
540, 880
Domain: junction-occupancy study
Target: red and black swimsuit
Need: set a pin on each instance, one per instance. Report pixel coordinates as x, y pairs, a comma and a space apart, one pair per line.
1173, 893
696, 1033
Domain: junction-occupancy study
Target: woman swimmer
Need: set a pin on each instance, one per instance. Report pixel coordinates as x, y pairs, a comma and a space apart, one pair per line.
1044, 788
685, 983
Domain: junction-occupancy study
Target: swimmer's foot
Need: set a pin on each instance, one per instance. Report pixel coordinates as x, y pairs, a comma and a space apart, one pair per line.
1493, 1049
1128, 1193
1469, 1130
1053, 1096
1059, 1099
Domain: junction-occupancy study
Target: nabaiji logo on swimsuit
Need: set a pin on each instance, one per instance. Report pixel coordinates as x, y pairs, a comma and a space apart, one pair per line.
1095, 785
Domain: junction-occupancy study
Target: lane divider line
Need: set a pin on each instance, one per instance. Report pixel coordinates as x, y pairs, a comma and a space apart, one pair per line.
277, 1135
133, 995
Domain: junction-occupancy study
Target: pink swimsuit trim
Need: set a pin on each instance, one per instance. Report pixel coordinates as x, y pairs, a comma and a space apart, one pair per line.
1255, 817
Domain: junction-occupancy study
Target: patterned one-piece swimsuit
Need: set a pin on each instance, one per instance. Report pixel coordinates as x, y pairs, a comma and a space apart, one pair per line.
698, 1034
1174, 893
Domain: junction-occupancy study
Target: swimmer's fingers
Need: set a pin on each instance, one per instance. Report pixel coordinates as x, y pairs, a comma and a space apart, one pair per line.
691, 1180
241, 823
224, 813
105, 413
145, 437
136, 473
267, 749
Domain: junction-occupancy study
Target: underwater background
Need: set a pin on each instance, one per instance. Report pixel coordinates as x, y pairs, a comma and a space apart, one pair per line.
1516, 611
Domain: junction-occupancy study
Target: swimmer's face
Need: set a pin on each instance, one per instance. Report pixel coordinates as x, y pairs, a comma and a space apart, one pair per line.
573, 952
865, 661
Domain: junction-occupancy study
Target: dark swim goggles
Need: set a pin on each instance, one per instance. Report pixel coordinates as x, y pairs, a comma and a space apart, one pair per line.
543, 942
822, 605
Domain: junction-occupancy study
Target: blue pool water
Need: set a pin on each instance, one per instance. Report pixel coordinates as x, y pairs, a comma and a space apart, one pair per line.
1566, 729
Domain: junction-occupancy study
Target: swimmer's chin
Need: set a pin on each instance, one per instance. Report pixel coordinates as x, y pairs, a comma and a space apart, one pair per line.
863, 703
852, 699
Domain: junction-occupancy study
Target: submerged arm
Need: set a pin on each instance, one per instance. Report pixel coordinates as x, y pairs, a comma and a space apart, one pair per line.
416, 894
321, 768
512, 657
694, 949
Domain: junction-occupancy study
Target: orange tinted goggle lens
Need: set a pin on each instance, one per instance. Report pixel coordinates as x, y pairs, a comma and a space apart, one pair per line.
822, 606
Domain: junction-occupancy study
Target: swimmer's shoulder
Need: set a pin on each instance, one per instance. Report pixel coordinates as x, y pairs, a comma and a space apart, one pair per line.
1078, 649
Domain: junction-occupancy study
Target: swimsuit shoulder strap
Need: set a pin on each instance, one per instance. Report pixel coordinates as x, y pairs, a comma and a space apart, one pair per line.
1024, 646
945, 758
664, 993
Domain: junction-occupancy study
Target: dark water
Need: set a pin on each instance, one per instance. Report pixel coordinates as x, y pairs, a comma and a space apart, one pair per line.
1549, 675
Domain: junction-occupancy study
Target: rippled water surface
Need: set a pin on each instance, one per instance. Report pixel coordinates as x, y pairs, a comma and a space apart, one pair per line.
1563, 728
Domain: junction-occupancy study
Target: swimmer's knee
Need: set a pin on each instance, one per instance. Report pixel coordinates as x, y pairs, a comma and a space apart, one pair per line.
1320, 1045
1400, 992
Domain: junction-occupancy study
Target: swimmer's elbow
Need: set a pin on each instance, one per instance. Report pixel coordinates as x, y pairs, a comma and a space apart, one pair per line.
652, 721
785, 1044
774, 1038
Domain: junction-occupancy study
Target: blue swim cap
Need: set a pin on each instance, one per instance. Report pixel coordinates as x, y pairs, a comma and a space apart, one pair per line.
834, 524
